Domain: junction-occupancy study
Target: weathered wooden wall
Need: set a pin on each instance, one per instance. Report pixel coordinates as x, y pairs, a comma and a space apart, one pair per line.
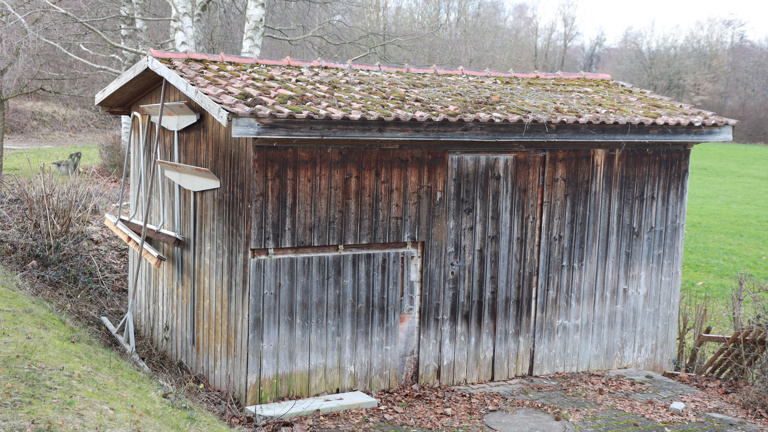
611, 259
219, 347
331, 322
342, 196
534, 262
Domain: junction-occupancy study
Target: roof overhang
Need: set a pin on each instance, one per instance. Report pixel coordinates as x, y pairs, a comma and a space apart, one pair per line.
145, 76
249, 127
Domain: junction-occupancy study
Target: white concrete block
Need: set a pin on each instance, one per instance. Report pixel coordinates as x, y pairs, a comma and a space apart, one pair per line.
326, 404
677, 407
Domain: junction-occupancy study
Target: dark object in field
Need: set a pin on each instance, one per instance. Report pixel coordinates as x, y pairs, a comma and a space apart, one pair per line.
70, 165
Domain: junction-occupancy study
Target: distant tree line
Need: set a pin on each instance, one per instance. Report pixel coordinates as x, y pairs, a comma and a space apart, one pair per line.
75, 47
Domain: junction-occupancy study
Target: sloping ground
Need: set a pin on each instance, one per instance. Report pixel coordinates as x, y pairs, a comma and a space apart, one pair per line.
55, 376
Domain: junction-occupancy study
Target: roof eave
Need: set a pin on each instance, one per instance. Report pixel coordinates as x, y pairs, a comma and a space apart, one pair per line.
117, 97
249, 127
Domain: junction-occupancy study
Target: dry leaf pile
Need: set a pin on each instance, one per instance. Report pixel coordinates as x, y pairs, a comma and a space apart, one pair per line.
417, 407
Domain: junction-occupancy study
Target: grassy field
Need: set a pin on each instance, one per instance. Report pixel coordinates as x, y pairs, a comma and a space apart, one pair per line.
19, 161
727, 219
55, 376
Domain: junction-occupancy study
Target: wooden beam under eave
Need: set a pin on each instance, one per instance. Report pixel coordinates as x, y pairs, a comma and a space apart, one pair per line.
117, 111
500, 133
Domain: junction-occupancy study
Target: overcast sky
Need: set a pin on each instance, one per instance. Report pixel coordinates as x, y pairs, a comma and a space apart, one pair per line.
615, 16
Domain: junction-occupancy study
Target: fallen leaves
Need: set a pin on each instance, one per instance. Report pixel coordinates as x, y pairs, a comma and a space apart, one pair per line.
417, 407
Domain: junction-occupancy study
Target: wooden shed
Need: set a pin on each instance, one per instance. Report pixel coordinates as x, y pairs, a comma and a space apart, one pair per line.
377, 225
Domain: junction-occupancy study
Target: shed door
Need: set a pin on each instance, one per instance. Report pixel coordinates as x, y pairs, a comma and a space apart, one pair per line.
325, 319
493, 210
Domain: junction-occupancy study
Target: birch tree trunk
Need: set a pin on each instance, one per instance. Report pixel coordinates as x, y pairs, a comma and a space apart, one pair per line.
2, 129
133, 32
183, 24
253, 31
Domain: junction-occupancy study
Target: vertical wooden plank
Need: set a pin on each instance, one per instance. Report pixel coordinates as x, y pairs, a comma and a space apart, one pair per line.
489, 320
334, 321
412, 173
271, 207
533, 196
349, 310
336, 197
258, 192
630, 244
596, 270
383, 182
465, 265
305, 176
318, 326
477, 285
305, 285
454, 261
254, 331
287, 331
638, 264
434, 225
677, 264
368, 205
563, 325
377, 286
269, 389
658, 331
614, 290
362, 325
321, 196
506, 270
551, 259
397, 200
288, 197
580, 296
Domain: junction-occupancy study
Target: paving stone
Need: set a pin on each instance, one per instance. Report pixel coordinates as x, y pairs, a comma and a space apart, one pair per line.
526, 420
654, 387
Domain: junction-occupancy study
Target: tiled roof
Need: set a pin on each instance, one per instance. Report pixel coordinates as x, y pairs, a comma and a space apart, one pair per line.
288, 88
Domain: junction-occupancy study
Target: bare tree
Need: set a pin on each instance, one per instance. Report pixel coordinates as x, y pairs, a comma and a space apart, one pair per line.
18, 77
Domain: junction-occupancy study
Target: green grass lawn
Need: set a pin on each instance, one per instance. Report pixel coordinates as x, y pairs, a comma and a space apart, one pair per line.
727, 219
19, 161
55, 376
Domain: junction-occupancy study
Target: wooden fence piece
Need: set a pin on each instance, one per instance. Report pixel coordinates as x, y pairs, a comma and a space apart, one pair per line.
690, 366
737, 353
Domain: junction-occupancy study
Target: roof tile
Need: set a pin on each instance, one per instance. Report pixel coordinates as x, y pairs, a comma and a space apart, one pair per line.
321, 89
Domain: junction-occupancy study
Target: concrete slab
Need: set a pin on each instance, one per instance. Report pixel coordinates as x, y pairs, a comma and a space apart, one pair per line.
326, 404
526, 420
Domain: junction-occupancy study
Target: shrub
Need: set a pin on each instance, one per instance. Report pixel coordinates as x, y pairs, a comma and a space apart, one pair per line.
112, 155
46, 223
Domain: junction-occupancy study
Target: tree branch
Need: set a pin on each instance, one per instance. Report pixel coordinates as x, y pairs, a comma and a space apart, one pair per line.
96, 31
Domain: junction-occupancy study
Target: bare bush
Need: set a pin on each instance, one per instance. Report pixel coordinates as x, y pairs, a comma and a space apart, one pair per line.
47, 227
112, 155
54, 209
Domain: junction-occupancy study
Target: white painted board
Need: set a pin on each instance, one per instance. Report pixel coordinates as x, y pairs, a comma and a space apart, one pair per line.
190, 177
326, 404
